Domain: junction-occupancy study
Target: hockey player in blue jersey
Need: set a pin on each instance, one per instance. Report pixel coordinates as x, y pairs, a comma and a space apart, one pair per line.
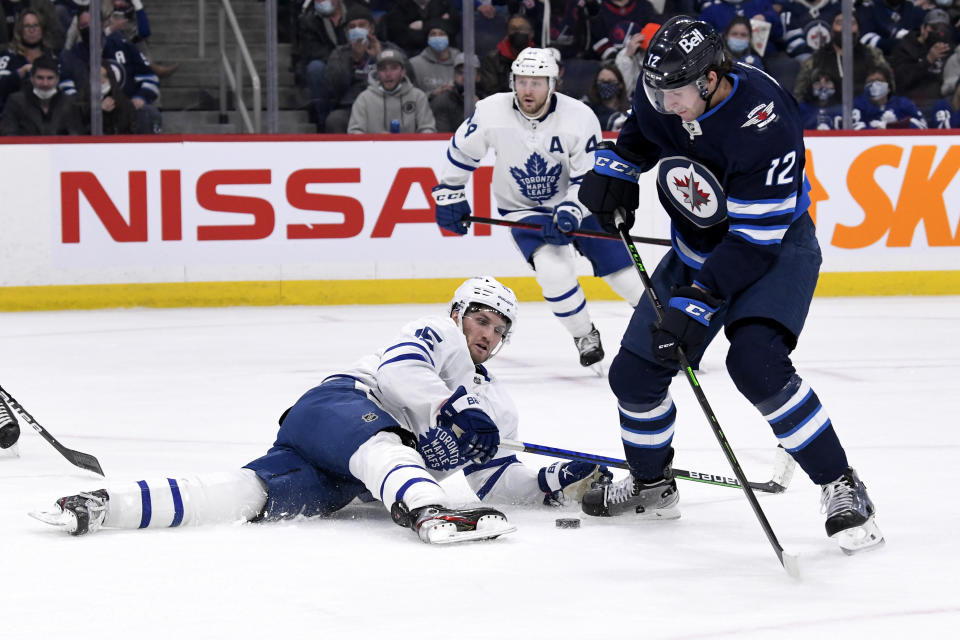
745, 258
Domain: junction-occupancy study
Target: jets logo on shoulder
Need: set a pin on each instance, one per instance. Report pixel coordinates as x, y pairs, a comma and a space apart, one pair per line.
369, 417
761, 115
691, 189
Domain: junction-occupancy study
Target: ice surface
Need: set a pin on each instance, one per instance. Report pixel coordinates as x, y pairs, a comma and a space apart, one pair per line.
167, 392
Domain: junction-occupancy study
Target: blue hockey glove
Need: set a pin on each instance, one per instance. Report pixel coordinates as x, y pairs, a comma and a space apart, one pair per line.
452, 208
562, 480
567, 217
686, 324
477, 435
612, 183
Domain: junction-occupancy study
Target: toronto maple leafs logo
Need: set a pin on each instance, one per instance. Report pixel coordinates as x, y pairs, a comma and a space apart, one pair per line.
537, 183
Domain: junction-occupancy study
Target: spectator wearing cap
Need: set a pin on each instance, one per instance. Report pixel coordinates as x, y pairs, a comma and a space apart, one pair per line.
433, 67
351, 65
447, 105
40, 109
918, 60
407, 22
320, 30
391, 104
495, 65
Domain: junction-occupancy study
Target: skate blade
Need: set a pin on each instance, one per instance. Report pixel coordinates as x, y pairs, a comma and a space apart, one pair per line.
863, 538
488, 527
13, 451
597, 369
63, 519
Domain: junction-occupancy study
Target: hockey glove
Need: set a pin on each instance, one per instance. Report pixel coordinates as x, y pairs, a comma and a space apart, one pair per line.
452, 208
476, 434
611, 184
563, 480
566, 218
685, 324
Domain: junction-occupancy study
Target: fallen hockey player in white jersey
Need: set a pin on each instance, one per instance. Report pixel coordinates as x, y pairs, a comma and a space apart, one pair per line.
393, 424
544, 142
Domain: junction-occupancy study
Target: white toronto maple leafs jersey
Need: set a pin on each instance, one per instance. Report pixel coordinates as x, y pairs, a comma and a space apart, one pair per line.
539, 164
415, 374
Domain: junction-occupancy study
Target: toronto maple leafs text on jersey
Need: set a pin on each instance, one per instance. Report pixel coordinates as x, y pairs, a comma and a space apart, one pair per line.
540, 163
414, 375
732, 180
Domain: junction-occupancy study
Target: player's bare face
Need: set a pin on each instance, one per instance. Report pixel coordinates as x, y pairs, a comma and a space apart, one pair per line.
532, 93
484, 330
684, 102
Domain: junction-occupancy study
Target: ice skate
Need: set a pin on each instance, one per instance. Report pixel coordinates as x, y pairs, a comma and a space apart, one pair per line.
652, 500
77, 515
440, 525
850, 514
591, 350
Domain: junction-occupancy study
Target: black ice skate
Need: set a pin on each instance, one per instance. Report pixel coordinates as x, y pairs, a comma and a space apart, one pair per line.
850, 513
440, 525
79, 514
648, 500
9, 432
590, 348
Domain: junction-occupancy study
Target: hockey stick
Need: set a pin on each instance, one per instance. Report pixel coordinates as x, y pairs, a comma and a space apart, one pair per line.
582, 232
782, 467
787, 560
76, 458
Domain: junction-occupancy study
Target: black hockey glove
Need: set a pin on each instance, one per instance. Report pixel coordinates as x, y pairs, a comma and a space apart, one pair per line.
685, 324
612, 183
477, 435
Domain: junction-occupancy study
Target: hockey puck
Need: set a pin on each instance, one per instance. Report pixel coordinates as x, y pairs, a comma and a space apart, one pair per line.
568, 523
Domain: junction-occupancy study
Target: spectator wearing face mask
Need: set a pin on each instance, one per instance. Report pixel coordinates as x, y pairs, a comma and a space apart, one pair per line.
41, 110
607, 97
433, 67
447, 105
920, 57
29, 43
719, 14
880, 109
320, 30
821, 107
495, 65
407, 22
351, 65
737, 39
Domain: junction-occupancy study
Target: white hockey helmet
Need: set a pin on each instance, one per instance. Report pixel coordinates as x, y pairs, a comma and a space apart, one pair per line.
536, 62
486, 293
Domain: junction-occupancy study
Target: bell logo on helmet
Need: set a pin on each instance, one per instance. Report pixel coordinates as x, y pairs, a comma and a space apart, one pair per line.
691, 41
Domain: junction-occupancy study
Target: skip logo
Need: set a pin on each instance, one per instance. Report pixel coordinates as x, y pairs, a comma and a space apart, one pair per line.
691, 41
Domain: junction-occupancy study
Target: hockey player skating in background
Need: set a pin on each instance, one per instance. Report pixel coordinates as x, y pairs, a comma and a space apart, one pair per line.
393, 424
744, 257
544, 142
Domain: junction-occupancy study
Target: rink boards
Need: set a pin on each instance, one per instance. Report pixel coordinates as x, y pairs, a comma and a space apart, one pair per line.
239, 220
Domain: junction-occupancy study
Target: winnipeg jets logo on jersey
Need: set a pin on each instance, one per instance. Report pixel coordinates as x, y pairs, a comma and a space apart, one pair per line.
761, 115
817, 34
693, 191
538, 182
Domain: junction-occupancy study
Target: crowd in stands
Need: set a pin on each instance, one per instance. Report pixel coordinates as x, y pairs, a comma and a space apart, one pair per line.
45, 64
396, 66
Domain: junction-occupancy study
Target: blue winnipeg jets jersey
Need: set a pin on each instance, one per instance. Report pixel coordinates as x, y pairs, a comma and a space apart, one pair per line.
732, 180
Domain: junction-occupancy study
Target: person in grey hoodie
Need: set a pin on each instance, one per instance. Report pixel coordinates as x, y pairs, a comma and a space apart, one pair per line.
391, 103
433, 67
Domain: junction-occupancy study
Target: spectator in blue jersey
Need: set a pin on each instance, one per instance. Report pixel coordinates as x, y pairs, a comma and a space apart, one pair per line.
886, 22
320, 30
822, 108
10, 11
880, 109
29, 43
139, 82
738, 41
719, 14
607, 97
616, 22
919, 58
806, 26
41, 110
945, 113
